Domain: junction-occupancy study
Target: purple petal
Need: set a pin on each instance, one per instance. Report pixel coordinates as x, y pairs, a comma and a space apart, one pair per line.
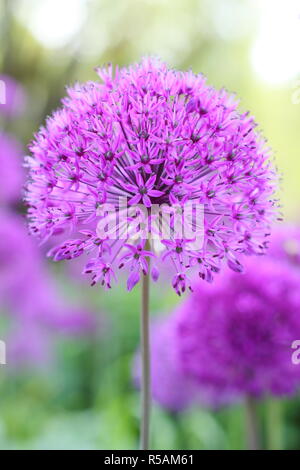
135, 199
235, 265
150, 182
132, 280
155, 193
146, 200
154, 273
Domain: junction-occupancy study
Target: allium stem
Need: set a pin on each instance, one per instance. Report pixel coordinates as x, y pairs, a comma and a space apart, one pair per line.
251, 424
146, 382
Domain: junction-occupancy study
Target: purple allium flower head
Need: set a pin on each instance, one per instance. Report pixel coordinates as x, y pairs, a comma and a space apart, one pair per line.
171, 387
235, 336
12, 97
153, 137
19, 258
12, 174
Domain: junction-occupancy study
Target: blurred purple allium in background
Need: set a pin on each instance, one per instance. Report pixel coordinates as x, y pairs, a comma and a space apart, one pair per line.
12, 97
12, 173
28, 292
236, 335
156, 137
233, 338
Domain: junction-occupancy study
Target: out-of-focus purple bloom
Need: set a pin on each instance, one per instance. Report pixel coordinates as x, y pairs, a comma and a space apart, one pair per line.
285, 244
235, 336
12, 174
151, 136
171, 388
28, 291
12, 97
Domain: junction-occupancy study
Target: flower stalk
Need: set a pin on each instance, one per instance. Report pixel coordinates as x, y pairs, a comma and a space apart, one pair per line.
146, 373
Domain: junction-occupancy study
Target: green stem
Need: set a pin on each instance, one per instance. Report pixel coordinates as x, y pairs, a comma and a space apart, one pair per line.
274, 424
146, 382
252, 424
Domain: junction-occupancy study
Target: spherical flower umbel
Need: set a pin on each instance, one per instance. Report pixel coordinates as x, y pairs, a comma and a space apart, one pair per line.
153, 137
235, 336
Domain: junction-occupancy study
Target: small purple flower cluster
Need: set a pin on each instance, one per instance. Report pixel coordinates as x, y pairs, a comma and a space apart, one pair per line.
12, 174
28, 291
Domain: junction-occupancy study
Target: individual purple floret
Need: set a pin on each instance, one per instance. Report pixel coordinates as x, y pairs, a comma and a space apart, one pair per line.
153, 137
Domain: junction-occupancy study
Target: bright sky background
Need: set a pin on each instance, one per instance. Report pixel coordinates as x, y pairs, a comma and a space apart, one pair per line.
274, 55
53, 22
